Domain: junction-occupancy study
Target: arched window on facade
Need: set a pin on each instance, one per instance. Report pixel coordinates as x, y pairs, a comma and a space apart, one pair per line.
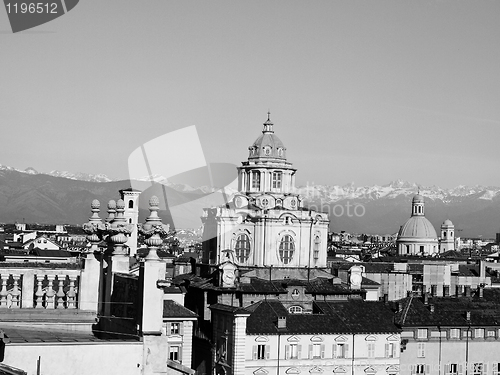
131, 204
242, 248
286, 249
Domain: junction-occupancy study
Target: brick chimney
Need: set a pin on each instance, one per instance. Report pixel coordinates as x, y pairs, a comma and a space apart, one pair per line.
282, 322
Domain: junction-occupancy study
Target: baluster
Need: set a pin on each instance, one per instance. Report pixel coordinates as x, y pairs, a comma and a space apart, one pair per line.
50, 303
71, 294
16, 292
3, 292
60, 293
39, 292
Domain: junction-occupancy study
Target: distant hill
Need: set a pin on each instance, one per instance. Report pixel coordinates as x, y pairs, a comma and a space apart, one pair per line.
43, 198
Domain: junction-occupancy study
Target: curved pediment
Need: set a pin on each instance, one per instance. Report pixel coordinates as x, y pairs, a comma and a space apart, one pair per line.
261, 339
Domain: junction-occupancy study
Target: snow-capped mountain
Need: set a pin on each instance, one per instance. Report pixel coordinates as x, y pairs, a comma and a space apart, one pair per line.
80, 176
335, 193
64, 174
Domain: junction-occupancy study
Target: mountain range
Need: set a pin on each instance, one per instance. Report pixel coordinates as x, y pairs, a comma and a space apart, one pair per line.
64, 197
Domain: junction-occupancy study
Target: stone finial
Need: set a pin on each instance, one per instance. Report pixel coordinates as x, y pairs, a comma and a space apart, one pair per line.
153, 229
120, 209
117, 229
111, 210
94, 227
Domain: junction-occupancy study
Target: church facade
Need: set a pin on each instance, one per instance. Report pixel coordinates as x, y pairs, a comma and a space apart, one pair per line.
266, 224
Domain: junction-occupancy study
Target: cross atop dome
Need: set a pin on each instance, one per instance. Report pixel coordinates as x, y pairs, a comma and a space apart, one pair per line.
268, 125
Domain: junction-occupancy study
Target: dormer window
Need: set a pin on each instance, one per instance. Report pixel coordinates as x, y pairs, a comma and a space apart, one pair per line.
295, 310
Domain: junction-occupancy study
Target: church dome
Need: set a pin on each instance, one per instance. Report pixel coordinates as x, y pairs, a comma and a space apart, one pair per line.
268, 145
447, 223
418, 227
418, 199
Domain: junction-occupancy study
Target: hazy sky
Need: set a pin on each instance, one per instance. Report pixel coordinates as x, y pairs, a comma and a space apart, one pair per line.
359, 91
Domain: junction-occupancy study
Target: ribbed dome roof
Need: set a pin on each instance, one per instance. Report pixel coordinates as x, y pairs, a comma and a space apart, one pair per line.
418, 227
268, 145
418, 199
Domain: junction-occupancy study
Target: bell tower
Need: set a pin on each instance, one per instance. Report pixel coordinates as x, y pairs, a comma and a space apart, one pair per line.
131, 198
447, 241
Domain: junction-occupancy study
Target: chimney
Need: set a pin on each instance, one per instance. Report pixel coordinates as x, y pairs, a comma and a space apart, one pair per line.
446, 290
481, 289
400, 306
431, 307
386, 298
467, 290
459, 290
282, 322
467, 316
426, 299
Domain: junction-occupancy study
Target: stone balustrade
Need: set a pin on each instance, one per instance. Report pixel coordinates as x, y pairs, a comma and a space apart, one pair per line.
39, 288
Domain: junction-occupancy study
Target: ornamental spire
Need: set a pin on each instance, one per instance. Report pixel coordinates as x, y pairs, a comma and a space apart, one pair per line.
268, 125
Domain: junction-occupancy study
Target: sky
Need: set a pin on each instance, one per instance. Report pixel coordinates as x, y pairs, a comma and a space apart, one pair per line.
359, 91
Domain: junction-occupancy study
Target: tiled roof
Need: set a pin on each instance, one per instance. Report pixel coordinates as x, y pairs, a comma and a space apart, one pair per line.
51, 253
451, 311
39, 335
355, 316
172, 309
231, 309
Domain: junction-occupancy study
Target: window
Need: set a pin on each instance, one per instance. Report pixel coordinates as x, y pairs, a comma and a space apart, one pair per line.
479, 333
491, 333
174, 353
261, 352
295, 309
295, 293
454, 333
421, 350
174, 328
452, 369
422, 333
371, 350
317, 243
496, 368
420, 369
242, 248
293, 352
390, 350
316, 351
340, 350
467, 333
130, 204
286, 249
256, 180
277, 176
477, 369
